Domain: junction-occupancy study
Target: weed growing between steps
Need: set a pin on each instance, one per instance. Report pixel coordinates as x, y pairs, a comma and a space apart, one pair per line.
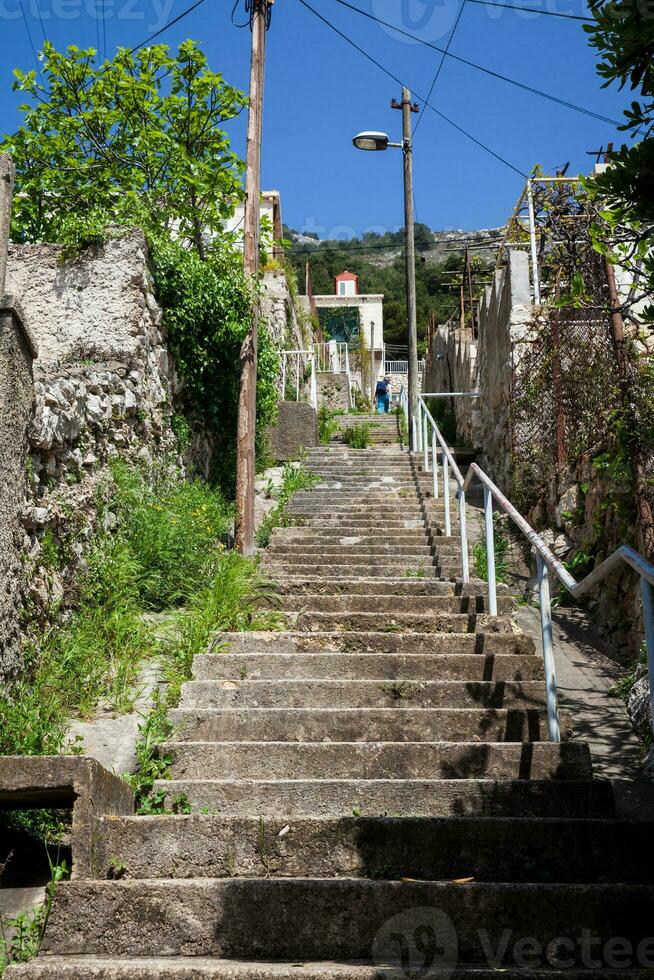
357, 436
327, 423
294, 478
164, 544
21, 937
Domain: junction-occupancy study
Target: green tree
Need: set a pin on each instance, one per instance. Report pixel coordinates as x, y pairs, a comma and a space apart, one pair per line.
623, 33
137, 140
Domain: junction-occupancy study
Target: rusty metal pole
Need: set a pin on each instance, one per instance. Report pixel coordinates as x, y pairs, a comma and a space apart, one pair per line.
247, 405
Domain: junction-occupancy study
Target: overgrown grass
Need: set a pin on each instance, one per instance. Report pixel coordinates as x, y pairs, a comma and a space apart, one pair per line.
327, 424
21, 937
294, 478
165, 546
238, 598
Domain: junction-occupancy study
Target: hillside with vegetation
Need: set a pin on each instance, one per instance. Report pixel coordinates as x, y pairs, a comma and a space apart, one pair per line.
379, 262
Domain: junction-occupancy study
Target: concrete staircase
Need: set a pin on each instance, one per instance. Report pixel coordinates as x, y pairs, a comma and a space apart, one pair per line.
372, 783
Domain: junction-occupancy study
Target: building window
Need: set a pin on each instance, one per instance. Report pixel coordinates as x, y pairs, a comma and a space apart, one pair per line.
346, 288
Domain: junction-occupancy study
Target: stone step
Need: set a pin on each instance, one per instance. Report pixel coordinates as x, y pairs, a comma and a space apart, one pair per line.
377, 760
307, 546
351, 556
376, 693
354, 642
391, 797
360, 725
333, 570
480, 848
408, 622
296, 919
360, 666
302, 584
205, 968
343, 534
393, 604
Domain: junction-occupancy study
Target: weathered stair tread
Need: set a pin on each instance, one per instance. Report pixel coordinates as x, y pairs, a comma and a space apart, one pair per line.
394, 797
360, 725
375, 760
486, 849
276, 919
382, 666
389, 641
312, 693
200, 967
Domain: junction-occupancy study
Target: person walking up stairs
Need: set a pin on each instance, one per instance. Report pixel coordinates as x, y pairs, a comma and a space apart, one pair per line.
372, 789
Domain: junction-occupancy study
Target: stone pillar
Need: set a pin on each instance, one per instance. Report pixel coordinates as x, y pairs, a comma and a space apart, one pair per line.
17, 352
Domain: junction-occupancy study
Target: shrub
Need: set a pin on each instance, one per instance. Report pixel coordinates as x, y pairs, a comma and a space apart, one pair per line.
357, 436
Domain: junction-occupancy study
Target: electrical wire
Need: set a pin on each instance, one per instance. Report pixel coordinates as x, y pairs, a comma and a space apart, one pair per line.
399, 81
325, 246
543, 13
104, 31
40, 16
440, 65
487, 71
29, 35
171, 23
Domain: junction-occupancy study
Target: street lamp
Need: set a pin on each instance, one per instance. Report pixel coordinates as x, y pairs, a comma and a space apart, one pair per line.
380, 141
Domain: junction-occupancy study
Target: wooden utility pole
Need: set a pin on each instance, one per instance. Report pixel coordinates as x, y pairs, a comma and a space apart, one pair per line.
247, 404
407, 108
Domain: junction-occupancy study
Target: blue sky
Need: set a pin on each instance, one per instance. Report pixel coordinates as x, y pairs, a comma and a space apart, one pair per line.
320, 92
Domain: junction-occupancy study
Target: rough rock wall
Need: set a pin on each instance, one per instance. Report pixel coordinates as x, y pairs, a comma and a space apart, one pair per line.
289, 324
460, 362
16, 404
104, 386
581, 511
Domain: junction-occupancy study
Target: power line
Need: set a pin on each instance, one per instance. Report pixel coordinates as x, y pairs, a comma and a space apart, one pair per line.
40, 16
440, 65
543, 13
487, 71
325, 246
390, 74
104, 30
170, 23
29, 35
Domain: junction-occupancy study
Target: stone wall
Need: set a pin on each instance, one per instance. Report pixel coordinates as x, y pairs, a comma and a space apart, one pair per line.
580, 512
104, 386
460, 362
17, 350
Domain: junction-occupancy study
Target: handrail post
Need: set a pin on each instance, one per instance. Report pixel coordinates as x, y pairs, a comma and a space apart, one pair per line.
647, 591
425, 440
548, 650
420, 414
284, 376
314, 386
446, 495
434, 463
490, 551
463, 531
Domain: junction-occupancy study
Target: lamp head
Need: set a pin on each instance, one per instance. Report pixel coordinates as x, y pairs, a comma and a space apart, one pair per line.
371, 141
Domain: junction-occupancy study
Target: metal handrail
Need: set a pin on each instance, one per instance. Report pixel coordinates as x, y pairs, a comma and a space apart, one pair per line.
298, 355
546, 560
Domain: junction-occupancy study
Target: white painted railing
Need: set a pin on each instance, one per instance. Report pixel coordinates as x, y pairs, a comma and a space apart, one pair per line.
428, 438
295, 357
